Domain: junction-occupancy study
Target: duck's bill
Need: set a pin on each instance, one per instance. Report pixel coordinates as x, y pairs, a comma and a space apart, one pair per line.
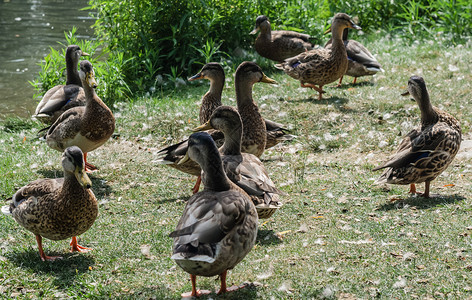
266, 79
184, 159
203, 127
254, 31
82, 178
354, 26
327, 30
84, 54
405, 93
196, 77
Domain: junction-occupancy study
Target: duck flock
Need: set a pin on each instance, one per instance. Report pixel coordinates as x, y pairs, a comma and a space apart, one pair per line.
219, 224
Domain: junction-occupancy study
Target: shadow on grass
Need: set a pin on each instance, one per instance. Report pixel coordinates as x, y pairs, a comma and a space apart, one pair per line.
421, 203
64, 270
348, 84
267, 237
334, 100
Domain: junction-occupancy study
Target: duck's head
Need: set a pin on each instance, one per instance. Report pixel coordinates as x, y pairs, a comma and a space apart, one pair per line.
74, 52
73, 162
250, 71
87, 74
202, 149
210, 71
416, 88
262, 23
342, 20
225, 119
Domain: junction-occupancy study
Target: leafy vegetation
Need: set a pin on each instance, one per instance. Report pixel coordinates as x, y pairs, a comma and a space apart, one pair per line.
337, 236
144, 42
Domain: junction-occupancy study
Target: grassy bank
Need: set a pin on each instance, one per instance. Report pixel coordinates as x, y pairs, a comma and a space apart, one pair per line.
337, 236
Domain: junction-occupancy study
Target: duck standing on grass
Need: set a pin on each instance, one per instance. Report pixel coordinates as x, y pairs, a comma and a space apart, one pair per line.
279, 45
62, 97
360, 61
218, 226
87, 127
318, 67
57, 209
426, 151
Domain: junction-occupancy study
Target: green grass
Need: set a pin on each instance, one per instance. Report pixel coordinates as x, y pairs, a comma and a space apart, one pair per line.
341, 237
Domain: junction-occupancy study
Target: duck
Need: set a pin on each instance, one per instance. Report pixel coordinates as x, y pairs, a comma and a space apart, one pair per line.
275, 132
279, 45
426, 151
360, 61
243, 169
254, 130
87, 127
57, 208
318, 67
60, 98
212, 99
218, 226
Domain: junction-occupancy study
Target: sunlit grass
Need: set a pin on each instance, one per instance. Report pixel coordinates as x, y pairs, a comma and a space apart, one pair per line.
337, 235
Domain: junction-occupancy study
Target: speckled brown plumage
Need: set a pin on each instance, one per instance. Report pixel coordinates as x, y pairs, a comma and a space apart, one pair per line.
218, 226
321, 66
360, 61
279, 45
427, 151
254, 129
87, 127
63, 97
61, 208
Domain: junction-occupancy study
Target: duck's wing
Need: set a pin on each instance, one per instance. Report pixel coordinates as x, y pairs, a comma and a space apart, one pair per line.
61, 98
208, 217
358, 53
419, 145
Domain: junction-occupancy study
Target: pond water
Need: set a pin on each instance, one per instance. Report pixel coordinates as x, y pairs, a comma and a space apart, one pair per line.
28, 28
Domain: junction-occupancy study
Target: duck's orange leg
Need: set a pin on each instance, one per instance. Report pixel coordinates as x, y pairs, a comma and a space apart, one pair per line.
224, 288
76, 247
412, 188
318, 89
44, 257
197, 184
426, 189
355, 79
194, 292
89, 168
340, 81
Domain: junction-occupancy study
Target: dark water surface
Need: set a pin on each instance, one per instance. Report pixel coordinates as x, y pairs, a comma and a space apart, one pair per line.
28, 28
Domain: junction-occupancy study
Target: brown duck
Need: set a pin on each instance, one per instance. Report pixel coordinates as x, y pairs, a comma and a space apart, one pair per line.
360, 61
62, 97
57, 209
87, 127
426, 151
321, 66
279, 45
218, 227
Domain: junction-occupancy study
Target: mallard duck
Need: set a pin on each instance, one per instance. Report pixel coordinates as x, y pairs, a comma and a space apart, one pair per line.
279, 45
254, 127
57, 209
276, 132
212, 99
318, 67
360, 61
62, 97
426, 151
244, 169
254, 134
218, 226
87, 127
